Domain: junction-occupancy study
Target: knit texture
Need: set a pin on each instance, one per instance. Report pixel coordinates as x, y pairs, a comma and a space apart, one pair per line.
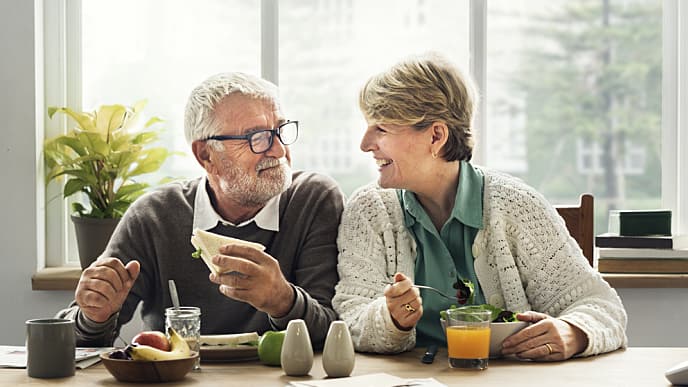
525, 259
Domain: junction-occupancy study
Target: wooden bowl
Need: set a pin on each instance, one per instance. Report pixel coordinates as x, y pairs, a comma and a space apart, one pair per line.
139, 371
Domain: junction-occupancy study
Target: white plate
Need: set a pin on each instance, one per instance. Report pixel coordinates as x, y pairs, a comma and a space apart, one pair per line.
223, 353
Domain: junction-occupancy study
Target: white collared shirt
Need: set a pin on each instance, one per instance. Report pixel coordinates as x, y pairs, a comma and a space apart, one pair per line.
205, 217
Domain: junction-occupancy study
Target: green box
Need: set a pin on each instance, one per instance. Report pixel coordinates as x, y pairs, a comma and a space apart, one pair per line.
645, 222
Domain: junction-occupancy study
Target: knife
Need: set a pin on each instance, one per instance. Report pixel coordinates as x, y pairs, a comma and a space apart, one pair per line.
429, 355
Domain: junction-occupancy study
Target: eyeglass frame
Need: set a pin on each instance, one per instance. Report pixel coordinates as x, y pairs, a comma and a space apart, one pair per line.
276, 132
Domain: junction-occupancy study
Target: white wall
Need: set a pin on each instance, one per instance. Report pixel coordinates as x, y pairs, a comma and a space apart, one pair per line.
18, 230
18, 214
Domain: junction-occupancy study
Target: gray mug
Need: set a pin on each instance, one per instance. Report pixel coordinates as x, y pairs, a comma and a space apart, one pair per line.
50, 346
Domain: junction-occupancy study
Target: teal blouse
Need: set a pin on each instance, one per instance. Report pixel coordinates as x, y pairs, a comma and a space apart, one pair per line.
446, 256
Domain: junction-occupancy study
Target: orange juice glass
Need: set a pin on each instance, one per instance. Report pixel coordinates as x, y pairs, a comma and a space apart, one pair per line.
468, 337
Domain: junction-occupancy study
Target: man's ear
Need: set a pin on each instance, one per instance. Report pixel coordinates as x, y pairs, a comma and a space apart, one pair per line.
200, 151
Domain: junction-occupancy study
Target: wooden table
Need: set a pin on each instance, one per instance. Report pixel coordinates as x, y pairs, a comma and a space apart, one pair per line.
631, 367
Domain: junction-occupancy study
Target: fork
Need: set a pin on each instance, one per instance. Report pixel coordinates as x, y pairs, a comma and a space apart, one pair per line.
441, 293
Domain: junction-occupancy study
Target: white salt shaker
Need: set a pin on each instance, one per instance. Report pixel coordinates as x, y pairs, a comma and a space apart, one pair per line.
297, 351
338, 354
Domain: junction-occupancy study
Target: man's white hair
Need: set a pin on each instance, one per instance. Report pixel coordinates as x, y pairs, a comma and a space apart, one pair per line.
199, 117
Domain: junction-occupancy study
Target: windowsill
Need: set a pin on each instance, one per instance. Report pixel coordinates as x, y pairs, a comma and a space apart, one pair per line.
56, 278
646, 280
66, 278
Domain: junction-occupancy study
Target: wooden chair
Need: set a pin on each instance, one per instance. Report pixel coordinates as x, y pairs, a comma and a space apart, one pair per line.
580, 222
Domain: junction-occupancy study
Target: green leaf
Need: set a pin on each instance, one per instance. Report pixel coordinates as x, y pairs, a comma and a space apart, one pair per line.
85, 121
110, 118
101, 157
73, 186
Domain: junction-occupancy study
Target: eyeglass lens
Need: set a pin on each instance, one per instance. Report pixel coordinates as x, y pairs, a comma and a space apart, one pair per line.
262, 141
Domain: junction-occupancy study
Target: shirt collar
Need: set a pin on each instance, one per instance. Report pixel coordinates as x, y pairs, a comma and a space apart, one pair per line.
468, 203
205, 217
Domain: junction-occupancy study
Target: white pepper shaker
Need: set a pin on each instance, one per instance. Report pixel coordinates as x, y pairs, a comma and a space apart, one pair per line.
338, 354
297, 351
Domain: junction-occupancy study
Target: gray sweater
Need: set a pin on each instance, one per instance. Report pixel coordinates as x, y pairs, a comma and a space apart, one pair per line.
156, 231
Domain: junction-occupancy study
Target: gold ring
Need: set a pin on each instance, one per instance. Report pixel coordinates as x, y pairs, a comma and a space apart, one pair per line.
409, 308
549, 348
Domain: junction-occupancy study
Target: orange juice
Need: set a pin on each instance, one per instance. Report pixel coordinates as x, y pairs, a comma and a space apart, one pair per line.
467, 342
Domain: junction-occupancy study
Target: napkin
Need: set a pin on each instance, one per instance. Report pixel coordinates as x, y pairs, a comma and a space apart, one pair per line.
370, 380
12, 356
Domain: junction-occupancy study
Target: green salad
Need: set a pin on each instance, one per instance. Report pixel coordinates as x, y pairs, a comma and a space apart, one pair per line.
498, 314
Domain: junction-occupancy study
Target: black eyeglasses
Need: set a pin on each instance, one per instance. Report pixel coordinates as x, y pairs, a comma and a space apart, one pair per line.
260, 141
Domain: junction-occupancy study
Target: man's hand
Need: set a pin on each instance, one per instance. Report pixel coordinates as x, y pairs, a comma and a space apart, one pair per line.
104, 286
403, 302
547, 339
255, 277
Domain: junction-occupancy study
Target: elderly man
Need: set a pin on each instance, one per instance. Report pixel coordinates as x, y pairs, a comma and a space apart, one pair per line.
239, 135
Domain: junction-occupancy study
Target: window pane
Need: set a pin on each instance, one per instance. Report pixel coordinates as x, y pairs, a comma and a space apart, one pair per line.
574, 99
328, 48
160, 52
165, 49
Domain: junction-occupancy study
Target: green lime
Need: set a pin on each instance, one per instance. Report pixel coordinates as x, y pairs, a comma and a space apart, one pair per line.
270, 347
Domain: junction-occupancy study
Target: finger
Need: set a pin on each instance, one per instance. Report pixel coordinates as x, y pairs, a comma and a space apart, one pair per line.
95, 296
531, 316
236, 264
406, 318
398, 288
134, 269
236, 280
543, 352
247, 252
116, 266
528, 333
235, 294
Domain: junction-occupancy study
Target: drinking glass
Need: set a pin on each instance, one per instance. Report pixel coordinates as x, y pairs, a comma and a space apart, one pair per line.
468, 337
186, 320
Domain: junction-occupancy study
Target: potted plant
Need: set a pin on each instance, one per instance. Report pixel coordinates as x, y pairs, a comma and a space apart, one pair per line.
100, 160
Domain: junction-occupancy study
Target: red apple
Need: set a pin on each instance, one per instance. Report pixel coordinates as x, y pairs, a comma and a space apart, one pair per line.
154, 339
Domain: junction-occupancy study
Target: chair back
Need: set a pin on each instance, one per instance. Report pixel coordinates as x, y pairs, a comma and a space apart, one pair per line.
580, 223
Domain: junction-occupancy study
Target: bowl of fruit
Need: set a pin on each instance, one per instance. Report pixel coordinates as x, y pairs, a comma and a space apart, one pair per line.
151, 358
504, 324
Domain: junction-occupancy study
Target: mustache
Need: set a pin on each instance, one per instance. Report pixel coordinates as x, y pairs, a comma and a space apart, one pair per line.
270, 163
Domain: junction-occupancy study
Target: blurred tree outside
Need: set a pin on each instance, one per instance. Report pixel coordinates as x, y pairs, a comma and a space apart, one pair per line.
591, 88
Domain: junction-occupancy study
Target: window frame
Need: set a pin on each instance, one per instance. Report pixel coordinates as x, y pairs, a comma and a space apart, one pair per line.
62, 73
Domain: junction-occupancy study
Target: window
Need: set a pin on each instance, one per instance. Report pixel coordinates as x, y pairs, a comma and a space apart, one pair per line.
574, 99
320, 78
573, 96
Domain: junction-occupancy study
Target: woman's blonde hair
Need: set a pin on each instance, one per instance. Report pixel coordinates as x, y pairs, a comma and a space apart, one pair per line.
419, 91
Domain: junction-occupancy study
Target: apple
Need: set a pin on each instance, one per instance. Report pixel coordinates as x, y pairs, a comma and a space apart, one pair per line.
270, 347
154, 339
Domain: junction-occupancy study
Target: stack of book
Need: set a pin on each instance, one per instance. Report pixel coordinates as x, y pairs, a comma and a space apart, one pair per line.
642, 254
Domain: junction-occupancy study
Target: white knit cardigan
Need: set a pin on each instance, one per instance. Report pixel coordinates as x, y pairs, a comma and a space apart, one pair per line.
524, 260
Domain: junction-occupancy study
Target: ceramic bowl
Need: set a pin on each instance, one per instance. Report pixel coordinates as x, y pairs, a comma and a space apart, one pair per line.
498, 332
139, 371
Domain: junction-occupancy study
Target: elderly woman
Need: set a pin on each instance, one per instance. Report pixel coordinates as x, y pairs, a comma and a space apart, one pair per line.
435, 219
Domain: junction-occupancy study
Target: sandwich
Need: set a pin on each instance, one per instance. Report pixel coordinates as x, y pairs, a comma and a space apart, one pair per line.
208, 244
230, 340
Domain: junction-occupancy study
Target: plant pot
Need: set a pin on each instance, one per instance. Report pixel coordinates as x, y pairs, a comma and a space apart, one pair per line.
92, 236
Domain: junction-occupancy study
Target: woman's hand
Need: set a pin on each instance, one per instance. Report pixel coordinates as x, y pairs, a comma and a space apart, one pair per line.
403, 302
547, 339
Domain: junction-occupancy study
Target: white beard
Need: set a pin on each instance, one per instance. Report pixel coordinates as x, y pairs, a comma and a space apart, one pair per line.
274, 177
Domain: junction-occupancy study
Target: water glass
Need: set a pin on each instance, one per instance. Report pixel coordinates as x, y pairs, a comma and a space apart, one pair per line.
186, 320
468, 337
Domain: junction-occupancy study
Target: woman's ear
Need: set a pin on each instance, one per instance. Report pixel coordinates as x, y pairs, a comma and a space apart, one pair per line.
439, 132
